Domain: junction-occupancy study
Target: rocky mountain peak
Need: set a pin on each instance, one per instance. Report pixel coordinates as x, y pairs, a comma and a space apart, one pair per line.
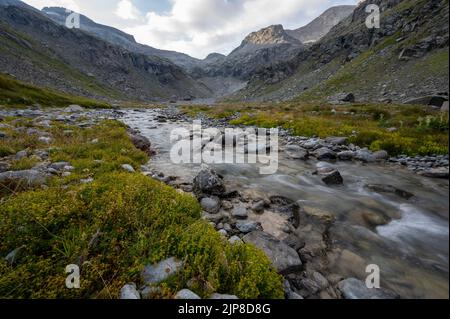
274, 34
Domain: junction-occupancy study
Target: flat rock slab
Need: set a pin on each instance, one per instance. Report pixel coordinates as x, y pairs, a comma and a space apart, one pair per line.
284, 258
353, 288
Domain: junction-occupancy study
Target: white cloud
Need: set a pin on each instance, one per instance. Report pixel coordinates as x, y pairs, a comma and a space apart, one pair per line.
126, 10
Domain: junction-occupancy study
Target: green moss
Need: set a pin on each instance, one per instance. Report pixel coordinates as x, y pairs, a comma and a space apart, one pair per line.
136, 220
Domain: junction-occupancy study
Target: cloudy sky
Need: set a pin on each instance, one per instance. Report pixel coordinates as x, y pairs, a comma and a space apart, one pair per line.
196, 27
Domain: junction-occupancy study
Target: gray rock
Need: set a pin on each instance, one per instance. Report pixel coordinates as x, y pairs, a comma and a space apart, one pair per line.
13, 255
21, 154
320, 280
345, 155
141, 142
223, 232
214, 218
129, 291
210, 204
208, 182
223, 296
284, 258
433, 100
444, 107
186, 294
45, 139
441, 172
128, 168
25, 178
381, 155
59, 166
333, 178
86, 180
156, 273
342, 97
259, 206
296, 152
353, 288
337, 140
380, 188
247, 226
239, 212
235, 240
325, 153
364, 156
74, 108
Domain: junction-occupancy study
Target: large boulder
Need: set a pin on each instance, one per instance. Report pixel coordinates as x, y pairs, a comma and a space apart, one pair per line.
209, 183
432, 100
156, 273
23, 179
284, 258
325, 153
141, 142
353, 288
296, 152
342, 98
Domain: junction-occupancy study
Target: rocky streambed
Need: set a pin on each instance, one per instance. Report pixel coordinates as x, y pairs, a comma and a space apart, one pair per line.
329, 211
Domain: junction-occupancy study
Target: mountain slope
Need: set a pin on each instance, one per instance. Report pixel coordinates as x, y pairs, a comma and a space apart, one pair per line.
319, 27
120, 38
406, 57
73, 61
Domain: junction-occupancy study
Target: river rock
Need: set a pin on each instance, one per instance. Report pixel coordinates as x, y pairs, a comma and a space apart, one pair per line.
381, 155
186, 294
239, 212
296, 152
129, 291
284, 258
156, 273
325, 153
141, 142
208, 182
440, 172
25, 178
333, 178
258, 207
364, 156
246, 227
380, 188
336, 140
210, 204
345, 155
353, 288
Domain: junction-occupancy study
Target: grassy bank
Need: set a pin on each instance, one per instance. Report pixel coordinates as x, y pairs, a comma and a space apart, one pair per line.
16, 93
418, 130
113, 226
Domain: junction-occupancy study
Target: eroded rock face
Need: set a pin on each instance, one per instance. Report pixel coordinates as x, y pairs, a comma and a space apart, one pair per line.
284, 258
353, 288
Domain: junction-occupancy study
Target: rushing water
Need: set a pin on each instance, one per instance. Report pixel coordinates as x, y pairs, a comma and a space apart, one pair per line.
411, 250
